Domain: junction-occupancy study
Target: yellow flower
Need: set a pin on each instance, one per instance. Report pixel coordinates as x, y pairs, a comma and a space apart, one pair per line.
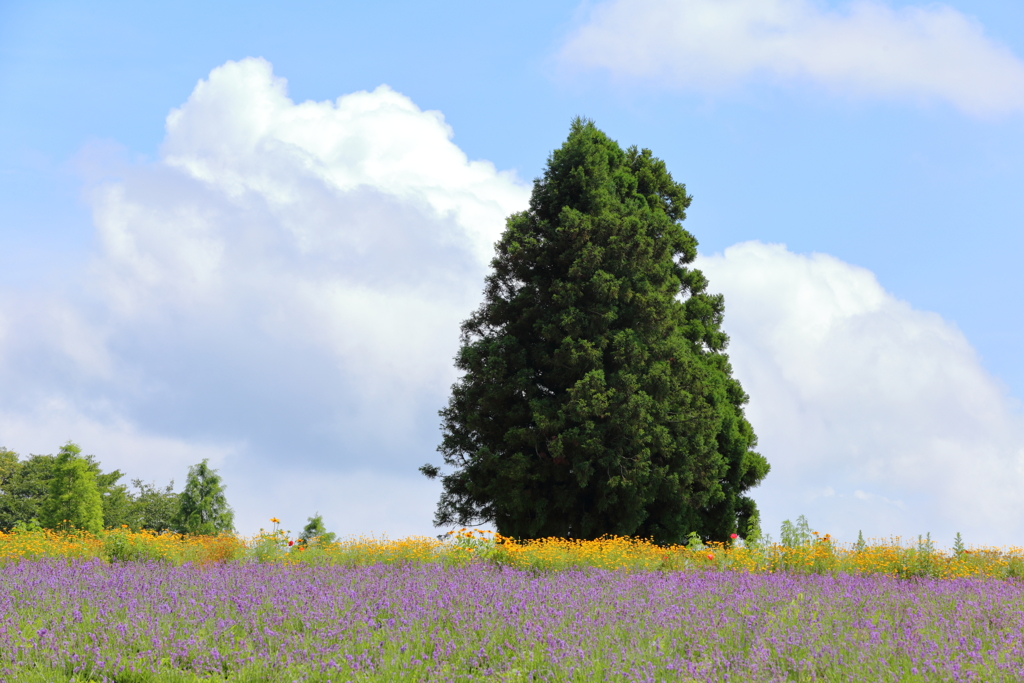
275, 520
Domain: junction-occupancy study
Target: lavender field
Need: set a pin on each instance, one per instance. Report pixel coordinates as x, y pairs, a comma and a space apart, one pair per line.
133, 622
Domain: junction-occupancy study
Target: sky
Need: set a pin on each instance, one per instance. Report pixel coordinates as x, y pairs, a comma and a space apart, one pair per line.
249, 232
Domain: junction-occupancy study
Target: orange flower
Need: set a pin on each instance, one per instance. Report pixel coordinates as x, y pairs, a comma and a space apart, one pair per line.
275, 520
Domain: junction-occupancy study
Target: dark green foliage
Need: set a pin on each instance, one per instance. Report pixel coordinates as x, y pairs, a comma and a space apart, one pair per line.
152, 507
597, 397
203, 509
8, 465
73, 499
314, 533
23, 486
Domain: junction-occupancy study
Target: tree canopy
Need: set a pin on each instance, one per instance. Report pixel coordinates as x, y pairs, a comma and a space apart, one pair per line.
203, 508
73, 499
597, 397
314, 533
25, 485
152, 507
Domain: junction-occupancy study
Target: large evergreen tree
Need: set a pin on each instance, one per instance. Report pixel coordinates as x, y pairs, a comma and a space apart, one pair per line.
596, 396
73, 499
202, 507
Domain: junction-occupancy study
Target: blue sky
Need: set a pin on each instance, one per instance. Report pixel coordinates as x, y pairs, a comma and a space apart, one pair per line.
163, 299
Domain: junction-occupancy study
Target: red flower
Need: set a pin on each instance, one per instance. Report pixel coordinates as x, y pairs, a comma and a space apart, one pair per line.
710, 556
734, 536
290, 542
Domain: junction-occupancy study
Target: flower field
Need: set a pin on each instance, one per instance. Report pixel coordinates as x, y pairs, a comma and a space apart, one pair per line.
818, 556
88, 620
130, 608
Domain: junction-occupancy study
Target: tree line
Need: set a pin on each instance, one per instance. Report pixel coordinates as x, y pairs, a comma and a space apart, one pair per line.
70, 491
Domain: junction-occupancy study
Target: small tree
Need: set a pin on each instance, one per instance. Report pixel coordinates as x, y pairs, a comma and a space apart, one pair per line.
73, 499
117, 502
203, 509
796, 535
10, 469
23, 489
314, 532
153, 508
8, 465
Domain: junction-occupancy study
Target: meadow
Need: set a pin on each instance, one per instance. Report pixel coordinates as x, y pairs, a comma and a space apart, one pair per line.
133, 607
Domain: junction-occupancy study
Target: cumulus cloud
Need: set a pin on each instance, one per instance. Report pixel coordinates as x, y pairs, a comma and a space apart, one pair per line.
874, 416
928, 52
282, 289
281, 293
104, 432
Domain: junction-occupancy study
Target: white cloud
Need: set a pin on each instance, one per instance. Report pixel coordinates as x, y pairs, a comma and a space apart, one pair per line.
886, 407
359, 502
282, 290
921, 53
353, 229
117, 443
240, 133
281, 293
